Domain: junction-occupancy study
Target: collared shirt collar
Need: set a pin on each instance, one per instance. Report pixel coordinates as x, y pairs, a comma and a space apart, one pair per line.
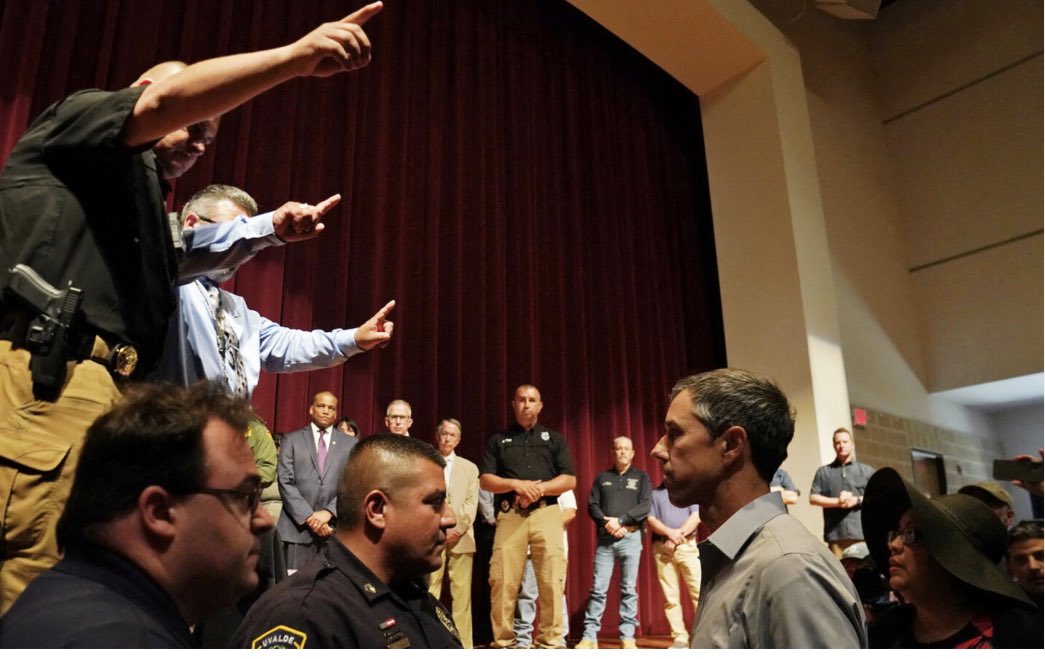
622, 473
731, 538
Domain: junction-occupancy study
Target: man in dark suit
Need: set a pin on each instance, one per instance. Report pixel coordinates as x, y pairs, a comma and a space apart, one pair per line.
310, 463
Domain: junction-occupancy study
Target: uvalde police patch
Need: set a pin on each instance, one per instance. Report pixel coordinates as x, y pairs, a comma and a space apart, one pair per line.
280, 638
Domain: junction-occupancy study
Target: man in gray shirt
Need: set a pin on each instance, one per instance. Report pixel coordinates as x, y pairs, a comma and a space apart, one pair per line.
767, 582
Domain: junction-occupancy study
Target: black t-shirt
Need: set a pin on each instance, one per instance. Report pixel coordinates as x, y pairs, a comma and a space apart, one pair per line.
77, 205
537, 454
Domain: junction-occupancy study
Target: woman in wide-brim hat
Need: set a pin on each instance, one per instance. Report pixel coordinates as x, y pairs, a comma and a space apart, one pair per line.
942, 556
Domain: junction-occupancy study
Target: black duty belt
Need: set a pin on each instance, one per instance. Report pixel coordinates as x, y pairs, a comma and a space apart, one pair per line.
543, 502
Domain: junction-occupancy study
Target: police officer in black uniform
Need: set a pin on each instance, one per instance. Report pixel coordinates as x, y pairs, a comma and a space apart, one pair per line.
367, 589
527, 466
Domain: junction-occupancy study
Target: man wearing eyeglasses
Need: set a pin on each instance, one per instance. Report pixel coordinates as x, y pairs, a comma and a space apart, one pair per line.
161, 527
399, 418
310, 463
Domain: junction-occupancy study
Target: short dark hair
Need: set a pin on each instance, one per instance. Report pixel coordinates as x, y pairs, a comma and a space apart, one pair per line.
734, 397
203, 201
1025, 531
152, 437
379, 462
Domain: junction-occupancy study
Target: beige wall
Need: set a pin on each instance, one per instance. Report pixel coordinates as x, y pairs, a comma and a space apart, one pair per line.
927, 125
961, 92
888, 439
814, 226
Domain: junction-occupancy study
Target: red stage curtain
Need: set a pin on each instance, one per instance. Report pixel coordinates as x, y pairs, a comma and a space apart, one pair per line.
529, 190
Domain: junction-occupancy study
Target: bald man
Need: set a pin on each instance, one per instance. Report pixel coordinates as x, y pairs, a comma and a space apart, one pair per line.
82, 200
310, 464
527, 466
369, 589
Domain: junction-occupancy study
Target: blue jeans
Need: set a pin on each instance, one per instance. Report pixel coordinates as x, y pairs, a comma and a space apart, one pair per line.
526, 609
626, 551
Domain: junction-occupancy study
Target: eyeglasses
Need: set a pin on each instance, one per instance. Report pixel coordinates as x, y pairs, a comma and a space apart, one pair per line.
397, 417
250, 498
908, 536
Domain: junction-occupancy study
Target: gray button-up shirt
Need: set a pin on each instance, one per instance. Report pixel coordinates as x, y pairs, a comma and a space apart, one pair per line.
767, 582
830, 480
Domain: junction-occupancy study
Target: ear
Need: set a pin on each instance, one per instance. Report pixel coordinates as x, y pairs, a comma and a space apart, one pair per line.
375, 504
156, 508
191, 220
734, 444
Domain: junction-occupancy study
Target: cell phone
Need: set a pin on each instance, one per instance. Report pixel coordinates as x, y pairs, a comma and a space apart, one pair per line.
1028, 471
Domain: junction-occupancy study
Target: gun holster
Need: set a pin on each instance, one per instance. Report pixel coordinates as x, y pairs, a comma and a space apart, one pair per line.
47, 322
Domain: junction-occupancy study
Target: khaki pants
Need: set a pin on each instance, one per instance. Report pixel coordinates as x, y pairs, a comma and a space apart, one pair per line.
40, 446
684, 561
459, 569
541, 530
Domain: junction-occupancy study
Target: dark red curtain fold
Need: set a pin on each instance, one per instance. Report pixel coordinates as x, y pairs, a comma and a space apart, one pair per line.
529, 190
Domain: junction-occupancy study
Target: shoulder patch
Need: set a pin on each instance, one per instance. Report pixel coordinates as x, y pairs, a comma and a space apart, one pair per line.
280, 638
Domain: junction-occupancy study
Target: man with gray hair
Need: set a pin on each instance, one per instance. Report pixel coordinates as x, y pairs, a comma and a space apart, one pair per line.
369, 592
462, 490
216, 336
619, 504
768, 582
399, 417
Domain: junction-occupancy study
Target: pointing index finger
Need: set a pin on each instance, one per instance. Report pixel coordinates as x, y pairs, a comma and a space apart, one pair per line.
328, 203
363, 14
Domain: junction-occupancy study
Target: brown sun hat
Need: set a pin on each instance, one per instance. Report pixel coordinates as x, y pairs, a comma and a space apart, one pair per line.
960, 531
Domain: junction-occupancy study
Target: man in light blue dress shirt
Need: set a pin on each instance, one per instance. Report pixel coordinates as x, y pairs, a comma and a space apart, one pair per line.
215, 336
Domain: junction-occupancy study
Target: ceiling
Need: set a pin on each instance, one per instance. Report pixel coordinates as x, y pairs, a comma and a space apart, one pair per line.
1001, 395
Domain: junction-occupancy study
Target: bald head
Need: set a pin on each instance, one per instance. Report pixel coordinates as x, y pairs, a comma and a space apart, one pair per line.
527, 405
159, 72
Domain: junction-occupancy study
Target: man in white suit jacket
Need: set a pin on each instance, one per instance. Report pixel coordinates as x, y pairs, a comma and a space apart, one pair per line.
310, 464
462, 493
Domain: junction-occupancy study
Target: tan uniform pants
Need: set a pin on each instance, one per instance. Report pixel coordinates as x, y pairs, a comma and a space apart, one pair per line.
459, 569
40, 446
684, 561
541, 530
